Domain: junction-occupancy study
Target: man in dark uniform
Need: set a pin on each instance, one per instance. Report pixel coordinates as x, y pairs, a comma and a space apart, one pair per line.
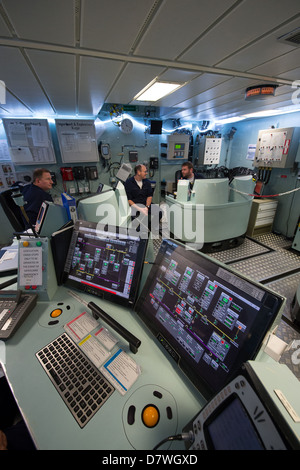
36, 193
139, 193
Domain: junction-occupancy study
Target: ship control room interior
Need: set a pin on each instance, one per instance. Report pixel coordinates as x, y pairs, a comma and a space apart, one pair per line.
152, 302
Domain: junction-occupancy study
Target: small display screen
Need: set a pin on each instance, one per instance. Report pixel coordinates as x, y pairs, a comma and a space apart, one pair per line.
212, 319
107, 263
179, 146
232, 429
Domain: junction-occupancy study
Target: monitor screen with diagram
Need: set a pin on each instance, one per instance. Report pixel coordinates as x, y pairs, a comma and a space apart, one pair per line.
105, 261
209, 318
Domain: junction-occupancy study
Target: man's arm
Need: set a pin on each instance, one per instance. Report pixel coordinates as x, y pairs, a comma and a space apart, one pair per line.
148, 201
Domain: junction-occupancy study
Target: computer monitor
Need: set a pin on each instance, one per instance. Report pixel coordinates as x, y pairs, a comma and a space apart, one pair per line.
210, 192
51, 217
123, 204
106, 262
209, 318
102, 207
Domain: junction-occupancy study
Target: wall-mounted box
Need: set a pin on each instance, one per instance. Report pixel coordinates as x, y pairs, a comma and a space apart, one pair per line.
277, 148
178, 147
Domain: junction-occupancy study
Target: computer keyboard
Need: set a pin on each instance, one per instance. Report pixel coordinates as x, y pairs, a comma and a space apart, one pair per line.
80, 384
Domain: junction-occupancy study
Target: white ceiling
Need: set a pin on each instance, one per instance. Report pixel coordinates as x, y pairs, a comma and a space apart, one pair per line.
69, 57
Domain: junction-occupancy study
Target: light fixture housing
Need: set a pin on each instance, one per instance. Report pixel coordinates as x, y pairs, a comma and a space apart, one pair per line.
156, 90
260, 92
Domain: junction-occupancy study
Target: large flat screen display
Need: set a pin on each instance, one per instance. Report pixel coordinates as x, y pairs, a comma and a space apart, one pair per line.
208, 317
105, 261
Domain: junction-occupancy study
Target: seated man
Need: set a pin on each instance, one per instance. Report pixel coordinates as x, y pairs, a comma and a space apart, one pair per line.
187, 172
139, 193
36, 193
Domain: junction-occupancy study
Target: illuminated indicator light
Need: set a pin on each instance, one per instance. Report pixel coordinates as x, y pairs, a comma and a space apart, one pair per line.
26, 243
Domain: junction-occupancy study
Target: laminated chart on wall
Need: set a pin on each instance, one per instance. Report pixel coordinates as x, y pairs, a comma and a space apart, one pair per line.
212, 151
29, 141
77, 140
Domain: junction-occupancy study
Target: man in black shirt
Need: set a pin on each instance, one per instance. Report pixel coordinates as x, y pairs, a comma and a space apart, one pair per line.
36, 193
139, 193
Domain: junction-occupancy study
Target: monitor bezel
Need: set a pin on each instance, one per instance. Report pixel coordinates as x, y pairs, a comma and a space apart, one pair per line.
250, 348
97, 291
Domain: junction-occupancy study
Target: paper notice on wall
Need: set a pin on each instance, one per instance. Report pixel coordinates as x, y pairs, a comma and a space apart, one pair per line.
251, 152
21, 155
18, 136
30, 268
4, 150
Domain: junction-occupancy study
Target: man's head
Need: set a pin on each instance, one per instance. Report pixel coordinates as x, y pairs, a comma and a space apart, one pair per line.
42, 179
140, 172
187, 170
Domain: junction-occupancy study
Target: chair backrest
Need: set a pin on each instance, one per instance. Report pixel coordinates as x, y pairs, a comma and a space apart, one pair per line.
12, 211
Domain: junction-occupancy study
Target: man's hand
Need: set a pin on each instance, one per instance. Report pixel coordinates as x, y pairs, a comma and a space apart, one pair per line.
143, 210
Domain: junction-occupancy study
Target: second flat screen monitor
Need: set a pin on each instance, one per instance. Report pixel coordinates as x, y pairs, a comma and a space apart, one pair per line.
208, 317
106, 263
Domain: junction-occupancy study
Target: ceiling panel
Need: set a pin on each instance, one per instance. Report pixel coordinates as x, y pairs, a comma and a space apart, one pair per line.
45, 20
174, 28
4, 30
11, 102
291, 74
112, 25
73, 56
249, 21
280, 65
20, 81
209, 87
95, 80
57, 75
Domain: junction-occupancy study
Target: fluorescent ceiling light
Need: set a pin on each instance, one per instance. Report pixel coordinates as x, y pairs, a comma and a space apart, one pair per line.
157, 90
